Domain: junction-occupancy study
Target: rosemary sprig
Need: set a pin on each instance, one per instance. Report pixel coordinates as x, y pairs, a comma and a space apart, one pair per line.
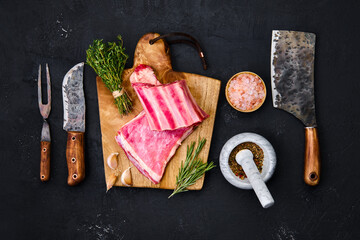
108, 61
192, 169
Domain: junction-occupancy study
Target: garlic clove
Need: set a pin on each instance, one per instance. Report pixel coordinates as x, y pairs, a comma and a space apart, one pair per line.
112, 161
111, 181
126, 178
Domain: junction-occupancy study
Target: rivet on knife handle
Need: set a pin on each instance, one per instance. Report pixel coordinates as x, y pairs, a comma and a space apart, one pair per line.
75, 158
45, 161
312, 157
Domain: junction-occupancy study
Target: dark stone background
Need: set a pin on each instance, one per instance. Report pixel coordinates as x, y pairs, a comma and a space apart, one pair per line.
235, 36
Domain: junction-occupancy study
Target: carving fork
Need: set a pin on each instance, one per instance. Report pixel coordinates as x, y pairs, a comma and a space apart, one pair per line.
45, 132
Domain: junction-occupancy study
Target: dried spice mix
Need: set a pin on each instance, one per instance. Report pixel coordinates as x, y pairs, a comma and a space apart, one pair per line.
255, 150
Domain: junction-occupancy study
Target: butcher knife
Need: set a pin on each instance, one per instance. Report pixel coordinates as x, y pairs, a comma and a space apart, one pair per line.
74, 123
292, 82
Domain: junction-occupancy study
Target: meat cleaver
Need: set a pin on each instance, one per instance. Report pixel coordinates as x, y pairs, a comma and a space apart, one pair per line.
292, 82
74, 123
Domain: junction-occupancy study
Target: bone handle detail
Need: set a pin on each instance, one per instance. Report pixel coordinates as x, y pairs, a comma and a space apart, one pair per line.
245, 159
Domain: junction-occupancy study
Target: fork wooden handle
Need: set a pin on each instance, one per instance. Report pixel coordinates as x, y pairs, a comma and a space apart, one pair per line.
312, 157
75, 158
45, 161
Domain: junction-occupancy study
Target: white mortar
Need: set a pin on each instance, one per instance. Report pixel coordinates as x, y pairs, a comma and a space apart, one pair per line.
269, 162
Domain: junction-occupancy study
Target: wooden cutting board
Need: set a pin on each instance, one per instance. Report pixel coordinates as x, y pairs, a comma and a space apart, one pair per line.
204, 89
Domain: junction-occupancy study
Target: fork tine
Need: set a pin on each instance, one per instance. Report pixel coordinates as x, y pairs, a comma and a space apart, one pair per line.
48, 86
39, 87
44, 109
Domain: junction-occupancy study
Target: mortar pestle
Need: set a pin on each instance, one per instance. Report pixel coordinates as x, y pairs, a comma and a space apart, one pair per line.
255, 180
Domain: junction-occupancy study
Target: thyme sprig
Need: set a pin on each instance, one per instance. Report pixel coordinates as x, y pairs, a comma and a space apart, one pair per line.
192, 169
108, 61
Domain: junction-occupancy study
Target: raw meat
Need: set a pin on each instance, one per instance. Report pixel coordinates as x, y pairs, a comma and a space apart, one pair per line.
169, 106
149, 150
144, 74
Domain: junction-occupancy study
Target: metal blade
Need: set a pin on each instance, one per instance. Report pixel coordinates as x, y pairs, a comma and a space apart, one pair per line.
45, 132
74, 100
292, 74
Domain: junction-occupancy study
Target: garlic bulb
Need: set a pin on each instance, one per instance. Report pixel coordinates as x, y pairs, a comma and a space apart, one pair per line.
126, 178
112, 160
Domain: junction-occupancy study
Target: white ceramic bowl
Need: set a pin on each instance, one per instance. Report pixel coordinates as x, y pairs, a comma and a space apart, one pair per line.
269, 162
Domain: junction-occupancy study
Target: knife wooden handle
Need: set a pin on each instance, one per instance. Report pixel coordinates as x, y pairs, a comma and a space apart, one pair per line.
75, 158
312, 157
45, 161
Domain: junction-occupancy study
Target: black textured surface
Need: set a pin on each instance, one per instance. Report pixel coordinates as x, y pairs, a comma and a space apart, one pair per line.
236, 36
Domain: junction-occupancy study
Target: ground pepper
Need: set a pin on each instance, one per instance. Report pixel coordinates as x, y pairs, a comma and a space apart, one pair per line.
257, 152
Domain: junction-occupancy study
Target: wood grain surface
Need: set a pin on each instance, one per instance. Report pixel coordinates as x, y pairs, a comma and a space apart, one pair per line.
312, 157
75, 158
45, 161
204, 89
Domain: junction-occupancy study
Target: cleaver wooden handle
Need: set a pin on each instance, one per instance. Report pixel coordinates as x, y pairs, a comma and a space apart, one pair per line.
45, 161
312, 157
75, 158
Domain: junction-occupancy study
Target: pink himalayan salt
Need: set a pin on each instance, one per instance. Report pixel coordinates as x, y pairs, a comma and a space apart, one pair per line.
246, 91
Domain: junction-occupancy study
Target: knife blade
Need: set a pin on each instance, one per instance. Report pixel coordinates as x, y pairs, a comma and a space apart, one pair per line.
74, 123
292, 82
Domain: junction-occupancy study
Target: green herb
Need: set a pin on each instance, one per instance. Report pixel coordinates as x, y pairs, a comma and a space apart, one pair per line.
108, 61
192, 169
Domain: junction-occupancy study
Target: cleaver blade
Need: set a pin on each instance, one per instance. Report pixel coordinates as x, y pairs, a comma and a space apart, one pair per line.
292, 83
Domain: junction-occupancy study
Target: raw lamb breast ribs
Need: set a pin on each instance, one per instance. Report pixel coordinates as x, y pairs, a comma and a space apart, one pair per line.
167, 106
170, 115
170, 106
149, 150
